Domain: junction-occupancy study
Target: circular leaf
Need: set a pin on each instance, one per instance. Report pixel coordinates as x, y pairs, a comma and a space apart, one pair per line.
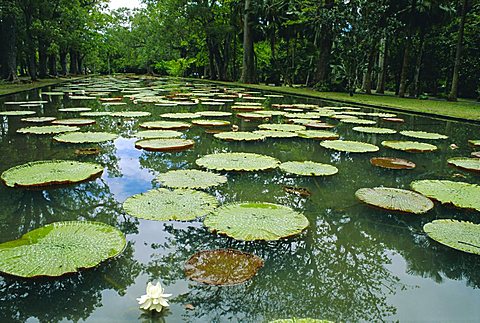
190, 178
460, 235
47, 130
74, 122
276, 134
474, 142
60, 248
395, 199
222, 267
214, 114
317, 134
85, 137
211, 123
423, 135
165, 125
349, 146
164, 205
237, 162
96, 114
308, 168
256, 221
180, 115
300, 320
50, 172
130, 114
392, 163
409, 146
148, 134
282, 127
383, 131
164, 144
38, 119
13, 113
472, 164
74, 109
357, 121
239, 136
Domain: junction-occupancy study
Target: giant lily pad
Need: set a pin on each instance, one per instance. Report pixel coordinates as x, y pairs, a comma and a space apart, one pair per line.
130, 114
96, 114
460, 194
423, 135
376, 130
46, 130
165, 125
276, 134
85, 137
50, 172
164, 205
357, 121
164, 144
38, 119
256, 221
392, 163
349, 146
474, 142
146, 134
214, 114
317, 134
74, 122
308, 168
281, 127
460, 235
239, 136
80, 109
410, 146
222, 267
300, 320
237, 162
210, 123
395, 199
180, 115
472, 164
59, 248
13, 113
190, 178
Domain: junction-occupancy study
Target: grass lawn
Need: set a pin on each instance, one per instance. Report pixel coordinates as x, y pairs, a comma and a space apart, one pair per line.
25, 84
463, 109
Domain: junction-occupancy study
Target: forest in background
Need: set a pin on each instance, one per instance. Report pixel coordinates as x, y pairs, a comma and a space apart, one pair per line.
415, 48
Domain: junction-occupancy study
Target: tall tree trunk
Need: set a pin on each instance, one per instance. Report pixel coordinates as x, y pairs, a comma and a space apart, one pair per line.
80, 63
63, 62
325, 45
52, 64
368, 74
418, 66
405, 67
73, 62
382, 64
42, 59
452, 96
8, 54
248, 68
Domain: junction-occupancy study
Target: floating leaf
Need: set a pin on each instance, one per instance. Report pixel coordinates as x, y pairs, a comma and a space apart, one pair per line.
392, 163
317, 134
50, 172
474, 142
38, 119
410, 146
256, 221
180, 115
423, 134
276, 134
85, 137
460, 194
472, 164
165, 125
131, 114
383, 131
74, 122
301, 191
148, 134
87, 151
319, 125
164, 144
459, 235
74, 109
190, 178
210, 123
475, 154
222, 267
239, 136
300, 320
96, 114
13, 113
357, 121
214, 114
282, 127
400, 120
59, 248
251, 115
164, 205
46, 130
237, 162
395, 199
349, 146
308, 168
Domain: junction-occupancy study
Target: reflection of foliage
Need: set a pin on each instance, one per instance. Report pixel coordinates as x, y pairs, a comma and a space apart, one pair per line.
71, 297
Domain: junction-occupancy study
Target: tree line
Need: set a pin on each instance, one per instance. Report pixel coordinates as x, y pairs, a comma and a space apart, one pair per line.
412, 47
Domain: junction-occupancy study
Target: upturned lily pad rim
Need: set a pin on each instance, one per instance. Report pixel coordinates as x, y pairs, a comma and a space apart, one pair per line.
463, 163
435, 233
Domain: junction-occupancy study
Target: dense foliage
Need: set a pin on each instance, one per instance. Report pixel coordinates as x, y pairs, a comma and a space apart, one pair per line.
412, 47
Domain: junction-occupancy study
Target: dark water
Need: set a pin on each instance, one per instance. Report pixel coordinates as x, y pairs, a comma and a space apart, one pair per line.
354, 263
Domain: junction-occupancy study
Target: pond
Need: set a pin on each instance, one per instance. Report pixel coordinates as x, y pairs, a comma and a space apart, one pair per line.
353, 263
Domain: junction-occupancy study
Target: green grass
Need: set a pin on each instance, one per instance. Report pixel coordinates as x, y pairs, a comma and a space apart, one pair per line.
25, 84
463, 109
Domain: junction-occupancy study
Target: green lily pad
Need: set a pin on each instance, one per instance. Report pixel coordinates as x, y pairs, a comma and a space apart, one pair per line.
475, 154
47, 130
383, 131
210, 123
180, 115
190, 178
74, 122
319, 125
130, 114
148, 134
472, 164
256, 221
50, 172
59, 248
251, 115
164, 144
474, 142
239, 136
409, 146
237, 162
38, 119
74, 109
300, 320
460, 194
85, 137
395, 199
13, 113
214, 114
357, 121
222, 267
349, 146
317, 134
392, 163
423, 135
165, 205
459, 235
96, 114
308, 168
165, 125
276, 134
282, 127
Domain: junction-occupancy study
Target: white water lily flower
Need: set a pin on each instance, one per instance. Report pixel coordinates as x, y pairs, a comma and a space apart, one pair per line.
154, 299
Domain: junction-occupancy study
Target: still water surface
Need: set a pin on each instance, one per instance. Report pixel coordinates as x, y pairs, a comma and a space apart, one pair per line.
354, 263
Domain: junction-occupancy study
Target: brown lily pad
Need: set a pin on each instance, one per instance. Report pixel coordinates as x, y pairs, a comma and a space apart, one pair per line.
222, 267
392, 163
393, 119
87, 151
297, 191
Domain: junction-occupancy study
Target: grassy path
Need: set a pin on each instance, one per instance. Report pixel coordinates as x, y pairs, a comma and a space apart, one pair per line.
25, 84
